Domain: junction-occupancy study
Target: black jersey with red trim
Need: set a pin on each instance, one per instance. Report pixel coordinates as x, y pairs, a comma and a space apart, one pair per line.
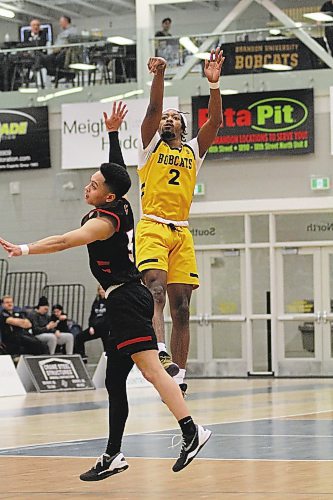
112, 261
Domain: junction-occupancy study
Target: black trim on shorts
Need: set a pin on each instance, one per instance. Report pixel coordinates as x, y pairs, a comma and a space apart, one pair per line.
193, 275
146, 262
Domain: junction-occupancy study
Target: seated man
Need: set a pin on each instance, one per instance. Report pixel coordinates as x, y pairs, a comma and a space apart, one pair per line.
58, 56
98, 327
35, 37
47, 331
15, 329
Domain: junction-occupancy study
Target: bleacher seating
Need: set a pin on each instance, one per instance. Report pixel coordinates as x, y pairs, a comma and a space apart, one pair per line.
70, 296
3, 273
25, 287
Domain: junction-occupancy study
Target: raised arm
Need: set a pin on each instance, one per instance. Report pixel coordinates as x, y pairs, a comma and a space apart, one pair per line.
113, 124
99, 228
208, 131
151, 121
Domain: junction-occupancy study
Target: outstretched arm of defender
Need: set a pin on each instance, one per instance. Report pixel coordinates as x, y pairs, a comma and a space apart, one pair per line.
150, 124
208, 131
113, 124
93, 230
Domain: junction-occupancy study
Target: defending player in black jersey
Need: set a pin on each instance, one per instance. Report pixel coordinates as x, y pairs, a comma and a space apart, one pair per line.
108, 232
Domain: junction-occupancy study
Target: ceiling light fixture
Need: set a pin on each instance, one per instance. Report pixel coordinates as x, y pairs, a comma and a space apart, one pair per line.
118, 97
166, 83
229, 91
319, 16
27, 90
9, 14
82, 66
188, 44
120, 40
47, 97
277, 67
275, 31
202, 55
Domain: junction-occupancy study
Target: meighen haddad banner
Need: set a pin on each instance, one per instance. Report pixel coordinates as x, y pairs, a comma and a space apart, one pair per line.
85, 141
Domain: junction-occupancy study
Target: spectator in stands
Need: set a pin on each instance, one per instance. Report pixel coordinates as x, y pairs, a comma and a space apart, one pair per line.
327, 8
16, 331
59, 316
35, 36
57, 58
166, 25
98, 328
47, 331
67, 30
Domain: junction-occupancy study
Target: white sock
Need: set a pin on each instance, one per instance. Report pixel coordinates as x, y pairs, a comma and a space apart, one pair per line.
179, 378
161, 347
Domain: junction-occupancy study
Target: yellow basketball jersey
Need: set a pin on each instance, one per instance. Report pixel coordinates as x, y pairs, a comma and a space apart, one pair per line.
168, 177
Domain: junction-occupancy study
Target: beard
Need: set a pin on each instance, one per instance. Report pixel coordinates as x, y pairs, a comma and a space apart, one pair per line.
167, 135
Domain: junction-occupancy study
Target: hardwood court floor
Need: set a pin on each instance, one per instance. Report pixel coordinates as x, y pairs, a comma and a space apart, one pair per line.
272, 439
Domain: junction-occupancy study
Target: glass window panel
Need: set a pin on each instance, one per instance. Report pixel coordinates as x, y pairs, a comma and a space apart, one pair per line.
259, 228
298, 283
299, 339
226, 283
331, 280
217, 230
304, 227
227, 340
260, 279
260, 345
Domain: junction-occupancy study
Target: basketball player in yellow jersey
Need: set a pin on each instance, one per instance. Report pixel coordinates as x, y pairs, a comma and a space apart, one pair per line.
168, 168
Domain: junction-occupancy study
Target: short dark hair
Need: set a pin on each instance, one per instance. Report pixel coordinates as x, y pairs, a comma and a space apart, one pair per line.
57, 306
68, 19
116, 177
166, 19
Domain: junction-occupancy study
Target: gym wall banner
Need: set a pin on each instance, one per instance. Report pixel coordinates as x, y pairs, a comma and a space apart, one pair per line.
24, 139
246, 57
85, 141
261, 124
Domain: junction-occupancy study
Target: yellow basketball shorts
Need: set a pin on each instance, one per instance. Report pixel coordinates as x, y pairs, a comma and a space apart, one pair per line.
157, 246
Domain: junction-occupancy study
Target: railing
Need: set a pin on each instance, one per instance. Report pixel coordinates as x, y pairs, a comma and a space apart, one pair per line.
3, 273
265, 41
25, 287
79, 64
70, 296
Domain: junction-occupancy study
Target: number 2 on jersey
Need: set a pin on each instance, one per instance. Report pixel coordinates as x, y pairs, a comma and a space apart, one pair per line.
174, 179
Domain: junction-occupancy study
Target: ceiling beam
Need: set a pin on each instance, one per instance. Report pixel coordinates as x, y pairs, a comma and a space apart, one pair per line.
228, 19
121, 3
52, 6
21, 10
302, 35
92, 6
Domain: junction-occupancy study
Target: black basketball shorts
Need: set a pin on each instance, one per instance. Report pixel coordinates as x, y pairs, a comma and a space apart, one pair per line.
130, 309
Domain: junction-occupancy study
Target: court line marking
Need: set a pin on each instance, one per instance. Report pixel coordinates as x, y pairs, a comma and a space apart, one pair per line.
50, 443
174, 458
212, 394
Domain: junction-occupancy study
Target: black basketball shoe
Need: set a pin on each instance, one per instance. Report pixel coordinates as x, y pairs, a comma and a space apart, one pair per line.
191, 447
169, 366
105, 466
183, 388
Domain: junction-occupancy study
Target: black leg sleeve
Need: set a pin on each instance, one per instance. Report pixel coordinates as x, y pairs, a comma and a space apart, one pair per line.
118, 368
